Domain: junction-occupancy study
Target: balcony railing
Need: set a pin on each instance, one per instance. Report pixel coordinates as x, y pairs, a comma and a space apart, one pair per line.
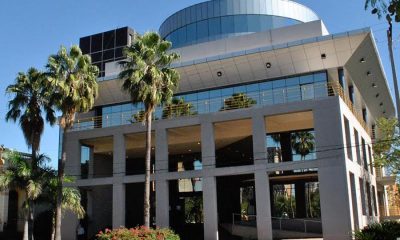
262, 98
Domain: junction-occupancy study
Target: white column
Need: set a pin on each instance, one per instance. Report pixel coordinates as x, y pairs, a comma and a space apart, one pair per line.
210, 208
118, 200
118, 205
332, 173
73, 162
259, 142
162, 187
263, 204
119, 153
209, 183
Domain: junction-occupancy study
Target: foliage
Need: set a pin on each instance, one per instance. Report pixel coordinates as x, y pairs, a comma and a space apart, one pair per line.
73, 81
390, 8
149, 79
303, 143
30, 99
238, 100
194, 209
177, 108
387, 145
138, 233
387, 230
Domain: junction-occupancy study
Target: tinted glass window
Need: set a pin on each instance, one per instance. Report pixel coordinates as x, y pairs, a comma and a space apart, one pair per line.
108, 40
96, 57
109, 54
227, 25
191, 33
214, 27
240, 22
84, 44
202, 31
97, 42
122, 37
119, 52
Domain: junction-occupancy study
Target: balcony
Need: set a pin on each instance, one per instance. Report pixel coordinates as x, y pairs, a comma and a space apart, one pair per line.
181, 108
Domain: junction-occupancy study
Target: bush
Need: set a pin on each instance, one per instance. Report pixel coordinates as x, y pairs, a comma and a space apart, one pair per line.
387, 230
138, 233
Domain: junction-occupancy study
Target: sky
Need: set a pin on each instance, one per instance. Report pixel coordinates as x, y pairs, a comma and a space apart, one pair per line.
32, 30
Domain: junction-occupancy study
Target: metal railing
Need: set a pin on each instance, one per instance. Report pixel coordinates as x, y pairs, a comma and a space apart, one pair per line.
282, 224
246, 100
297, 225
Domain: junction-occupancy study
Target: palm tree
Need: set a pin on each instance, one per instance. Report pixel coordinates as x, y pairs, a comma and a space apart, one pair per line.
238, 100
380, 7
71, 197
303, 143
21, 175
30, 99
72, 78
148, 78
177, 108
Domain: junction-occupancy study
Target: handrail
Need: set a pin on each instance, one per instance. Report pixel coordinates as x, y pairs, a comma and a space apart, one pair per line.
261, 98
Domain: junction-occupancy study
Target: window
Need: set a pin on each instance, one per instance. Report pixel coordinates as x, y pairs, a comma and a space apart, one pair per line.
369, 199
364, 114
362, 190
357, 143
348, 139
351, 93
374, 200
342, 78
354, 200
364, 154
370, 159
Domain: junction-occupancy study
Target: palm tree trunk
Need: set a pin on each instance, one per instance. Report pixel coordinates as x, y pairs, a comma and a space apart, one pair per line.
61, 163
26, 227
146, 214
30, 220
394, 74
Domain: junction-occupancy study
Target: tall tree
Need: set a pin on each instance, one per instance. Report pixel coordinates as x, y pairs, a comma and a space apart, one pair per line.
303, 143
177, 108
73, 80
148, 78
387, 145
238, 100
391, 10
21, 175
30, 100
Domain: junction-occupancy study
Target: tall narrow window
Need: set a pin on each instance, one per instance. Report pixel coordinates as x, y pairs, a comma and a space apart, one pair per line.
348, 138
354, 201
342, 78
364, 154
374, 200
369, 200
357, 143
364, 114
362, 190
351, 93
370, 159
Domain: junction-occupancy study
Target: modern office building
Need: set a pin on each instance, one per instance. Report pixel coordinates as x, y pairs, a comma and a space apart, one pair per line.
270, 135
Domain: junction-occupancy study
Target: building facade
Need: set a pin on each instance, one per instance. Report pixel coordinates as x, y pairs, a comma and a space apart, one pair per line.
269, 136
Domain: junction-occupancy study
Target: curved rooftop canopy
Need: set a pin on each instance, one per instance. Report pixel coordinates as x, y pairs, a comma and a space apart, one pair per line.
219, 19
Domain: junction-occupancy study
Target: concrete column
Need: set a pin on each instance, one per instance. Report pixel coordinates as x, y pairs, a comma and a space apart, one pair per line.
210, 208
263, 204
162, 187
209, 183
259, 139
119, 152
208, 145
118, 205
332, 172
73, 163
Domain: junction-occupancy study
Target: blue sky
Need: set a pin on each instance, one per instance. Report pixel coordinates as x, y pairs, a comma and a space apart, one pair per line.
32, 30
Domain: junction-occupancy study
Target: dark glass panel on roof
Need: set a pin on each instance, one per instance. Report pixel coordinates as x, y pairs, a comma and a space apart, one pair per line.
122, 37
84, 44
119, 52
96, 57
97, 42
108, 54
108, 39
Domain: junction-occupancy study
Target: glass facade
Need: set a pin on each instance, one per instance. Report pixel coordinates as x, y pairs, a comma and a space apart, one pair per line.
268, 92
217, 19
224, 27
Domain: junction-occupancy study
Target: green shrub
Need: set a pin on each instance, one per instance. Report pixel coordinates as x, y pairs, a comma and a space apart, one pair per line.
138, 233
387, 230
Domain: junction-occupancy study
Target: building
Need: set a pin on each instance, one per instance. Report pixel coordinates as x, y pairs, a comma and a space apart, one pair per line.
276, 138
11, 203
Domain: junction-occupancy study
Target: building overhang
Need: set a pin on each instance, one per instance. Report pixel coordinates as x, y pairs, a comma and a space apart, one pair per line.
274, 61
